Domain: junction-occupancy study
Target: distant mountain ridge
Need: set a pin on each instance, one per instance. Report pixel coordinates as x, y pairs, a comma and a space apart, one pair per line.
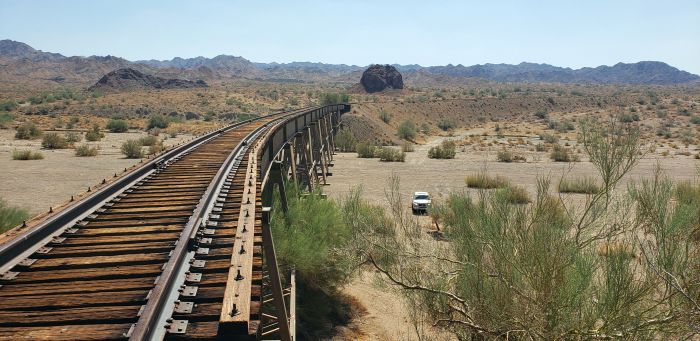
19, 61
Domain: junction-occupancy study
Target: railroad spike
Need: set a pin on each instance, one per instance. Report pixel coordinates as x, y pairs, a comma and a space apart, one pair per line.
242, 251
71, 198
50, 209
104, 181
238, 275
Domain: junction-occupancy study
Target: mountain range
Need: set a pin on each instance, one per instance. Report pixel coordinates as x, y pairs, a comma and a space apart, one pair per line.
21, 63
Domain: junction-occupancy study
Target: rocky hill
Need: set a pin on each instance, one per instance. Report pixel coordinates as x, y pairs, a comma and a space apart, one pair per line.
646, 72
22, 65
130, 79
381, 77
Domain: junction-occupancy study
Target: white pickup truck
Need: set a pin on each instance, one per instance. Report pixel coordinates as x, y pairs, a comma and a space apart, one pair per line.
421, 202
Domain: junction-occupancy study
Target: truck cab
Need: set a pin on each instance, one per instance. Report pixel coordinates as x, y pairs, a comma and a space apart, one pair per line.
421, 202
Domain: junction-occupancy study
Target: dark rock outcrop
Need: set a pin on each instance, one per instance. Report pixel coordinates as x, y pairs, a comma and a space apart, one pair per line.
380, 77
127, 79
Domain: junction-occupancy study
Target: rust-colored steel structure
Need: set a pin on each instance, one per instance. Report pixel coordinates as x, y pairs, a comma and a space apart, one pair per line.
179, 248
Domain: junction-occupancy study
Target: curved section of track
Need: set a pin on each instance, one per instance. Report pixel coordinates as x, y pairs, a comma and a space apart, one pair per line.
93, 280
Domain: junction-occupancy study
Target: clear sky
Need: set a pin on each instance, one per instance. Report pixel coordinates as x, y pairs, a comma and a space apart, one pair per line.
559, 32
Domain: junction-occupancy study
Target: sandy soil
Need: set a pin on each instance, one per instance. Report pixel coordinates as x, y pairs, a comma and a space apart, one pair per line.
38, 184
387, 317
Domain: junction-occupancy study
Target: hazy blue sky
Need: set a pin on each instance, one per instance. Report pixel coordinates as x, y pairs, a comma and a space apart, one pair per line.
563, 33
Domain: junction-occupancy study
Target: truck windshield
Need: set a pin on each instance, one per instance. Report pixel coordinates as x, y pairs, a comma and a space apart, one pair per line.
421, 197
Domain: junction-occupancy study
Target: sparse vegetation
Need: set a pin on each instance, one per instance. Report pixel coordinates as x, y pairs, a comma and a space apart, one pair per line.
117, 125
54, 141
446, 150
5, 119
86, 150
27, 131
582, 185
334, 98
132, 149
26, 155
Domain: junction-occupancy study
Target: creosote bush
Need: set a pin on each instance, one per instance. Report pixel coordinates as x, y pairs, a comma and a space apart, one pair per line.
384, 116
562, 154
117, 126
157, 121
27, 131
149, 140
345, 141
132, 149
26, 155
54, 141
94, 134
390, 154
365, 150
446, 150
86, 150
407, 130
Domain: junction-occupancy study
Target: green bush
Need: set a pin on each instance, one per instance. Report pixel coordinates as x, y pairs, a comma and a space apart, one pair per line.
11, 216
345, 141
94, 134
561, 154
116, 125
322, 239
8, 105
407, 130
148, 140
365, 150
389, 154
384, 116
446, 150
54, 141
85, 150
585, 185
157, 121
407, 147
695, 119
26, 155
5, 119
445, 124
27, 131
132, 149
484, 181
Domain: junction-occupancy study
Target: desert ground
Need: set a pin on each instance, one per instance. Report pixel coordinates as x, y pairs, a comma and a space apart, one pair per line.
482, 124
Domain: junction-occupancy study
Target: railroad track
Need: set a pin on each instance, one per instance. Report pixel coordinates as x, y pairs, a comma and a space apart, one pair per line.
174, 250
